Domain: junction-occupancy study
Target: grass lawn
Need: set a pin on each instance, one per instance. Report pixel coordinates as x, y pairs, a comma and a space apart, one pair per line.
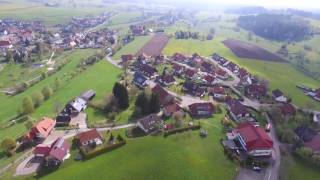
133, 47
282, 76
294, 168
10, 105
180, 156
125, 17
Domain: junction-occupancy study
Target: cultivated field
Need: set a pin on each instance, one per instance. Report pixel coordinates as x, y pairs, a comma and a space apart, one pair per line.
250, 51
155, 46
132, 47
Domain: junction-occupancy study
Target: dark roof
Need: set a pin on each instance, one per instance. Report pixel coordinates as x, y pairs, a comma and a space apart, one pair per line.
254, 137
314, 144
147, 70
287, 109
221, 72
242, 73
189, 87
171, 108
256, 90
88, 136
4, 43
277, 93
167, 78
236, 107
148, 123
139, 79
177, 67
199, 109
217, 90
209, 78
190, 72
305, 134
88, 95
126, 57
164, 96
178, 57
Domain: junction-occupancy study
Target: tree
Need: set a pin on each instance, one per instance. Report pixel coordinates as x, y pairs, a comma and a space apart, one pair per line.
8, 144
57, 83
28, 124
9, 56
177, 116
46, 92
120, 92
37, 99
120, 138
27, 106
154, 103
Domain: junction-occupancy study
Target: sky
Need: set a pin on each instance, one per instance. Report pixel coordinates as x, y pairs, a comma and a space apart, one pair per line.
300, 4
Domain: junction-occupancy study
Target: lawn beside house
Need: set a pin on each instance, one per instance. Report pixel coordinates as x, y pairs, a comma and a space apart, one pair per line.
10, 105
133, 47
180, 156
282, 76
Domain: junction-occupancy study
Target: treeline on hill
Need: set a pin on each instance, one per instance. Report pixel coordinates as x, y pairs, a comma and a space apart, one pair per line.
187, 35
276, 26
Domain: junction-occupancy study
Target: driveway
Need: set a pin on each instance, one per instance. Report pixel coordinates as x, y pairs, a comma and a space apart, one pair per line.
79, 120
29, 166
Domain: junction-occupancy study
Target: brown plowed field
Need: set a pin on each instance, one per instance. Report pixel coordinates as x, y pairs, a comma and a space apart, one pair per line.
250, 51
155, 45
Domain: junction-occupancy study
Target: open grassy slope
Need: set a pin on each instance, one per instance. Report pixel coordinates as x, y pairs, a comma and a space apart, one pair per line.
133, 47
282, 76
181, 156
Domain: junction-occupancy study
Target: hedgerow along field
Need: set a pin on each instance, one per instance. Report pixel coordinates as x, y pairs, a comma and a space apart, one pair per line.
279, 75
179, 156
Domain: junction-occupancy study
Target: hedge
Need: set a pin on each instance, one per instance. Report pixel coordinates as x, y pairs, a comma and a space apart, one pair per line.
101, 150
177, 130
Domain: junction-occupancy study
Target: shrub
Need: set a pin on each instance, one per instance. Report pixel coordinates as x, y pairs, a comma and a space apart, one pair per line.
177, 130
8, 144
100, 150
37, 98
47, 92
27, 106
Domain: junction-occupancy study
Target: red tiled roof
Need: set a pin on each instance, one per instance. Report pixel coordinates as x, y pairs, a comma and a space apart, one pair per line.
236, 107
42, 149
209, 78
164, 96
88, 135
254, 137
256, 89
5, 43
179, 57
172, 108
196, 107
44, 127
221, 72
127, 57
314, 144
287, 109
190, 72
59, 149
218, 90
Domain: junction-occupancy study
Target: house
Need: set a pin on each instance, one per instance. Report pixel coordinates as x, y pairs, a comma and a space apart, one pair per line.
164, 97
137, 30
190, 73
205, 109
170, 109
149, 123
195, 60
316, 117
219, 59
179, 57
75, 106
256, 91
42, 129
206, 67
237, 110
232, 67
54, 154
314, 144
279, 96
177, 69
5, 44
287, 110
147, 70
63, 119
222, 74
209, 79
218, 92
89, 137
254, 140
127, 57
317, 95
165, 79
139, 80
193, 89
88, 95
305, 134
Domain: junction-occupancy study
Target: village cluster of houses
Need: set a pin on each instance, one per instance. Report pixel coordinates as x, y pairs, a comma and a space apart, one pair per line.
21, 37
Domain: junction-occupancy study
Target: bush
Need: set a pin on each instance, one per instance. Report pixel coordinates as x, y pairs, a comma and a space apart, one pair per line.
8, 144
46, 92
27, 106
100, 150
178, 130
37, 98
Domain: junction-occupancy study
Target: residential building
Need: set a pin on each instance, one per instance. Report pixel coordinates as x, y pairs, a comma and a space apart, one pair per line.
278, 96
205, 109
237, 110
42, 129
164, 97
149, 123
89, 137
139, 80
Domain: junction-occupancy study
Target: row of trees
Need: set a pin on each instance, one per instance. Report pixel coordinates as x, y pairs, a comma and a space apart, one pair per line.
308, 155
30, 103
187, 35
276, 26
146, 103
